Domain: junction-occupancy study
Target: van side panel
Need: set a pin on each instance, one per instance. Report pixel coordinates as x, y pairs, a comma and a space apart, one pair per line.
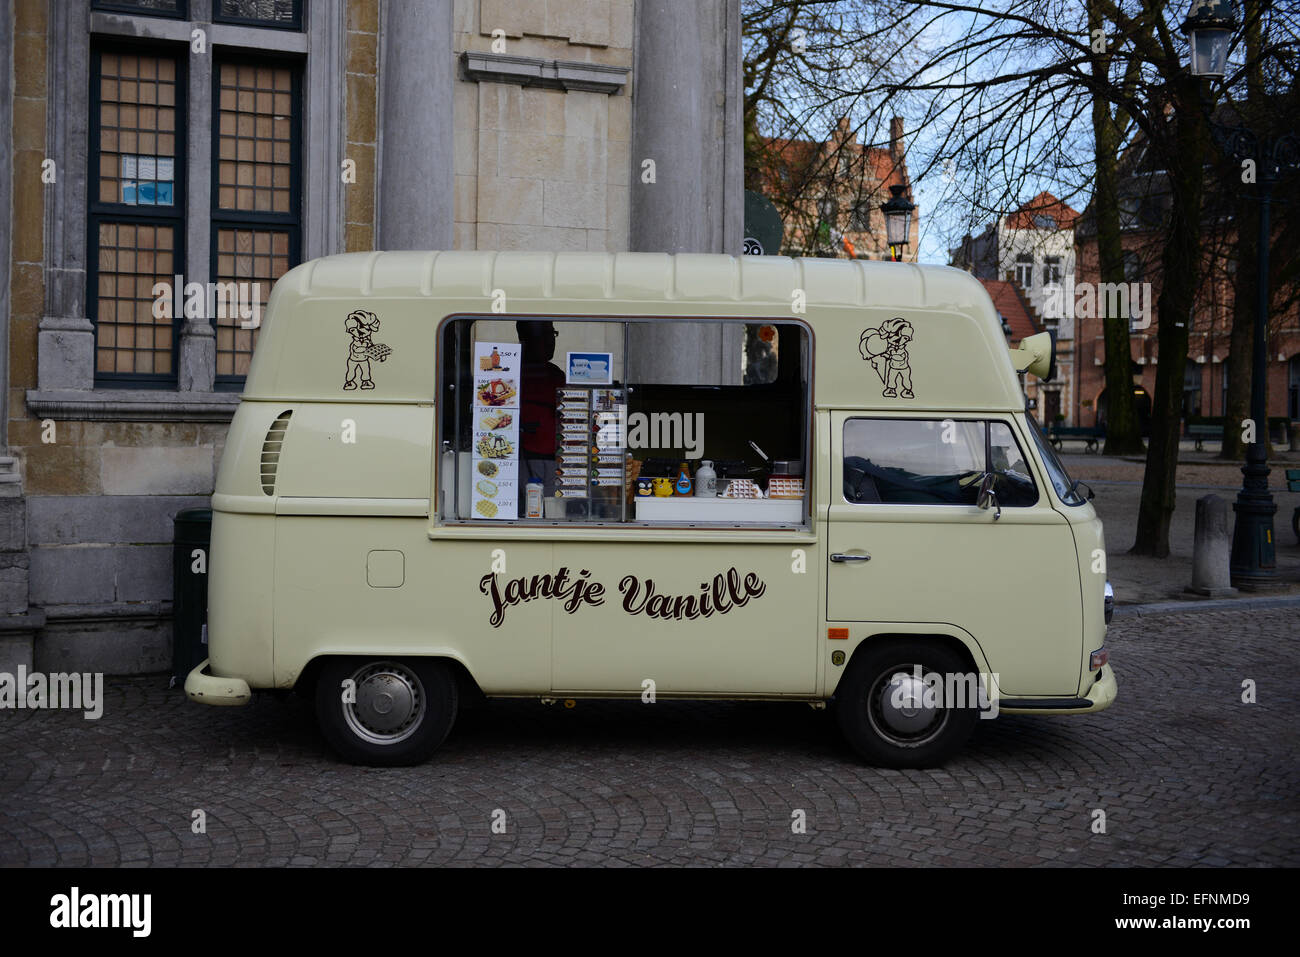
241, 583
348, 585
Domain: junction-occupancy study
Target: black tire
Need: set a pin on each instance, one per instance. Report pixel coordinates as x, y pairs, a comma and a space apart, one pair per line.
421, 699
864, 693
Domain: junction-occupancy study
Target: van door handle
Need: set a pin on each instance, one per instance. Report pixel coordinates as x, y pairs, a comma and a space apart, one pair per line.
842, 557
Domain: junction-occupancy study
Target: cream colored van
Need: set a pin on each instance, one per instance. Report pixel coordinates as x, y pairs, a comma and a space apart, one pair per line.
483, 474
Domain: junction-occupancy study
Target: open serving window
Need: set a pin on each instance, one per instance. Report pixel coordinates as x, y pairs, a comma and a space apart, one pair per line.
552, 420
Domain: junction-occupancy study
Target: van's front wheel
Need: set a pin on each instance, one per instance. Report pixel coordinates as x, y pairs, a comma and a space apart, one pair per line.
385, 711
891, 714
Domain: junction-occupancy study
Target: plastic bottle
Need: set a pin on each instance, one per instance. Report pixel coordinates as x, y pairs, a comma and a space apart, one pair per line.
706, 480
683, 483
533, 499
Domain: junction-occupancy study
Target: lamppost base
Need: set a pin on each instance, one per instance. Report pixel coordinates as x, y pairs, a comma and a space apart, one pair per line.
1254, 558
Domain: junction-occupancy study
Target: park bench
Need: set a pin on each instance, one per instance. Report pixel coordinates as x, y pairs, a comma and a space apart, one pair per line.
1293, 485
1061, 433
1202, 432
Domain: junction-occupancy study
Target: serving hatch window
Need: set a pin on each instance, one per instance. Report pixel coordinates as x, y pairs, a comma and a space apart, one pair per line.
557, 420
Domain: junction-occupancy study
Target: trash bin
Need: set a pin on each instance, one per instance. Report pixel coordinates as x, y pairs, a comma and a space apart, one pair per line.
191, 539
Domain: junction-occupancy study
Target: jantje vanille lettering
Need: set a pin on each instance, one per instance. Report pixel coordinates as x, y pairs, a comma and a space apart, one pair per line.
726, 591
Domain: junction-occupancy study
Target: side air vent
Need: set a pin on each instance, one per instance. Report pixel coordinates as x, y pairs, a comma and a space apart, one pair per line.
271, 451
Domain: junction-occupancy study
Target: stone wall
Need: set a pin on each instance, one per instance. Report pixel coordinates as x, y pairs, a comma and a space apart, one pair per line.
540, 167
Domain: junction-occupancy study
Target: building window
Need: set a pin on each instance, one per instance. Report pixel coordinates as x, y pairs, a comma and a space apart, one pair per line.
1191, 389
256, 193
861, 219
1025, 270
176, 9
136, 214
1052, 271
286, 14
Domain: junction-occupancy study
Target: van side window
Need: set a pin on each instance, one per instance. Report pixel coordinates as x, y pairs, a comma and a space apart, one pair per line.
932, 462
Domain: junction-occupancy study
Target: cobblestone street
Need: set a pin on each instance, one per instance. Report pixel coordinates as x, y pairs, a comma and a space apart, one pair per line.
1185, 773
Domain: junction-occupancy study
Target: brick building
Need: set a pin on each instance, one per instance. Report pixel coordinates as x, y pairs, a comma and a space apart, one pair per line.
224, 141
829, 193
1144, 208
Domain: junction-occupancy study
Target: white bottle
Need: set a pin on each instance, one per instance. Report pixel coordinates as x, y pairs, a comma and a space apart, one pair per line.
533, 499
706, 480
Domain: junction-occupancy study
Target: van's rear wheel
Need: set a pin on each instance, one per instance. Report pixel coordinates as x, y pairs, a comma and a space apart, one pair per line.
389, 711
884, 710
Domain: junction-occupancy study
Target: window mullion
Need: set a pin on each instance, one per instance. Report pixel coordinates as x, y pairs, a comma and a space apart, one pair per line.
197, 369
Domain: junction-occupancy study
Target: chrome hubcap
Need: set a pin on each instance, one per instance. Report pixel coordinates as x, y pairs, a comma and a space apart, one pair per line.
898, 710
389, 702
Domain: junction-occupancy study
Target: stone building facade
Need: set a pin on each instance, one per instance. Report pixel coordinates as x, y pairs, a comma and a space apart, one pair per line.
224, 141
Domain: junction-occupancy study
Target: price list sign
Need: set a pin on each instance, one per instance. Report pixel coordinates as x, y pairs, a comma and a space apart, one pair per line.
497, 381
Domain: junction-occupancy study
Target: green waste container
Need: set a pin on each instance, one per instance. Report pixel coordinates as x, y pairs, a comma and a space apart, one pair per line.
192, 537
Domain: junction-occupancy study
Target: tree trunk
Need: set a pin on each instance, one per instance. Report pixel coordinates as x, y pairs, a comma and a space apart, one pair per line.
1180, 269
1123, 431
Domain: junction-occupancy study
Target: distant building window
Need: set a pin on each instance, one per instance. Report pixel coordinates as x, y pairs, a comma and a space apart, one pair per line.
1045, 222
1025, 270
156, 8
861, 219
1052, 271
261, 13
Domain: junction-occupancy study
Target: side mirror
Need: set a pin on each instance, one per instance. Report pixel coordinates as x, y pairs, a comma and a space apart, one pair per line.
987, 498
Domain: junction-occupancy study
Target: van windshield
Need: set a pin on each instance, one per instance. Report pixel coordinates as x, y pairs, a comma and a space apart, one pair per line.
1060, 479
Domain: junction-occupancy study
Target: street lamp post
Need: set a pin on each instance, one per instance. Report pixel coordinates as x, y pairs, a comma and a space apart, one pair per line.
1209, 27
898, 221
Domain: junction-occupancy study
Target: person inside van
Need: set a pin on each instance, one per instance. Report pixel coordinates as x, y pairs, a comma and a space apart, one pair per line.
539, 379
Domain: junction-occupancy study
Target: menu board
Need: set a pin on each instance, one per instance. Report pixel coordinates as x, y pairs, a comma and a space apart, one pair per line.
497, 383
589, 448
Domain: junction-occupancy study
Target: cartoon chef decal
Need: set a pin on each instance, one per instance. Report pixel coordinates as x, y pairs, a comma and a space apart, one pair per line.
361, 326
886, 349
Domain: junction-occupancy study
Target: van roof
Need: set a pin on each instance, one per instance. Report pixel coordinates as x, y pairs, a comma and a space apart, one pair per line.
928, 334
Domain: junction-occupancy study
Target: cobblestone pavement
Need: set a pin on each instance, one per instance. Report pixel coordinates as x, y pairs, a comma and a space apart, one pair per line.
1185, 773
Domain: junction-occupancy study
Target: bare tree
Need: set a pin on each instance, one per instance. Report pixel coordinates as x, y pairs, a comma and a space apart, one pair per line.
1009, 97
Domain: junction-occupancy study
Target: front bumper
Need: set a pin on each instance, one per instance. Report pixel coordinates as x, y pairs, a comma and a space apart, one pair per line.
1099, 697
209, 689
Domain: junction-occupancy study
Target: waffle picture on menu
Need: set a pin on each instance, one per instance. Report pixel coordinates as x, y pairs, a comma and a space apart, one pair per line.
495, 447
486, 508
496, 420
487, 467
486, 488
495, 392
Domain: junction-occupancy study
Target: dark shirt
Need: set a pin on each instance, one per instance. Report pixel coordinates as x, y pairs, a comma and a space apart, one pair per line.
537, 418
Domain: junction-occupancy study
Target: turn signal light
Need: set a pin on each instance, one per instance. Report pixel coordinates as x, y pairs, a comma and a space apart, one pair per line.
1098, 658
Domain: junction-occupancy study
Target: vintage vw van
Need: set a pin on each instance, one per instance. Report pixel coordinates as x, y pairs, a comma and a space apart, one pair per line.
480, 474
